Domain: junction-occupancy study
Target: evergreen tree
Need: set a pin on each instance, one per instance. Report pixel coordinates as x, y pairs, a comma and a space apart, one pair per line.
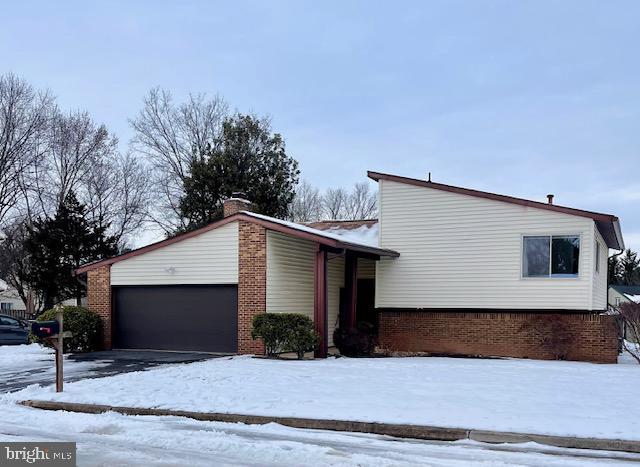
630, 268
57, 246
249, 159
615, 277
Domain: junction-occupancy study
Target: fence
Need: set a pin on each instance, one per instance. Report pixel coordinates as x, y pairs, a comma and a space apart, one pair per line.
18, 314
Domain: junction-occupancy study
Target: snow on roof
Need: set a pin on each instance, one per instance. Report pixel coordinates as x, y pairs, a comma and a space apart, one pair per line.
362, 236
365, 234
3, 285
633, 298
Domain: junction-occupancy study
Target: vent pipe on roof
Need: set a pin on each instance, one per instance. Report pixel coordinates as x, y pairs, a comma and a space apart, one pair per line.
550, 199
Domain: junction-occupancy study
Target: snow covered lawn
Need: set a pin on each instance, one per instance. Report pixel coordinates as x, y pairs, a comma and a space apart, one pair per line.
24, 364
563, 398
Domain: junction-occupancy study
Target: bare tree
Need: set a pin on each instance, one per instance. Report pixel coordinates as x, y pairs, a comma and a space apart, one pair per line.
629, 314
75, 147
24, 115
362, 203
117, 194
334, 203
171, 136
12, 259
307, 203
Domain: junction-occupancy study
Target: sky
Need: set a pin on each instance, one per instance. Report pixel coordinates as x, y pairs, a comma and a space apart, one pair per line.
521, 98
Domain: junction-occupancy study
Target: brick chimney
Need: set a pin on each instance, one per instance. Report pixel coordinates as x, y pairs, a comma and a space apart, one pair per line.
236, 203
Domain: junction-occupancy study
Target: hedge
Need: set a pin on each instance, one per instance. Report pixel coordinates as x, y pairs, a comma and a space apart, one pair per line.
84, 325
285, 332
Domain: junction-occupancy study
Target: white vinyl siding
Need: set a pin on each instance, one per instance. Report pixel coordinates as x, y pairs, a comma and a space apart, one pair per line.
600, 277
291, 276
460, 251
208, 258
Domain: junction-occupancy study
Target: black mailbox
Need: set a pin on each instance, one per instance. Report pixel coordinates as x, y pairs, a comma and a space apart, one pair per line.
45, 328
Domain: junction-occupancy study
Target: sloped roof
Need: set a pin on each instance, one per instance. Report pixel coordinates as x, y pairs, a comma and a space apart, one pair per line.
608, 225
271, 223
627, 289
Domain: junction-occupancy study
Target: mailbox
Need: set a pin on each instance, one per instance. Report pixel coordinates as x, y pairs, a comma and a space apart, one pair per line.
45, 328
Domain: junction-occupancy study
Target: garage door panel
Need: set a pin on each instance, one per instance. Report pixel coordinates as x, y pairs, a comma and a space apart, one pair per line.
176, 317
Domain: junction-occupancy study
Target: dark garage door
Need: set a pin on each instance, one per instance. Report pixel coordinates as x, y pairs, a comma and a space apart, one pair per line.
176, 317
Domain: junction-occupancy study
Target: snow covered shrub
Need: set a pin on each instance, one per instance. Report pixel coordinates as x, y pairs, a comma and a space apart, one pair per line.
629, 314
284, 332
359, 341
85, 325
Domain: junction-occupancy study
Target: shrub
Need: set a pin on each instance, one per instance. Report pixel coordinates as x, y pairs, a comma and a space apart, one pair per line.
285, 332
84, 325
358, 341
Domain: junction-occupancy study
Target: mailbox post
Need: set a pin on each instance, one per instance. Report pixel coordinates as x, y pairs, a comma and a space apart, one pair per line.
55, 333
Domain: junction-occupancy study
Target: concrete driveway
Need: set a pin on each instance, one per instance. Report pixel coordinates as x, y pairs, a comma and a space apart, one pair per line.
95, 365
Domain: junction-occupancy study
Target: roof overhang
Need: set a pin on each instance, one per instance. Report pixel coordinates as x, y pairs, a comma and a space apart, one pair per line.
607, 224
287, 228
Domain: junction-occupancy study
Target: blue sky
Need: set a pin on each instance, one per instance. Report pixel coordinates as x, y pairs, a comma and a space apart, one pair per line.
517, 97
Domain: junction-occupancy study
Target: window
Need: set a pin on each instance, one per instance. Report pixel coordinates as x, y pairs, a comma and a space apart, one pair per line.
9, 321
5, 306
550, 256
597, 256
617, 301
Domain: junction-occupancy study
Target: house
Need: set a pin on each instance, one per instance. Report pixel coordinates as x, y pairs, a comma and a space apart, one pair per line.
12, 304
619, 294
444, 270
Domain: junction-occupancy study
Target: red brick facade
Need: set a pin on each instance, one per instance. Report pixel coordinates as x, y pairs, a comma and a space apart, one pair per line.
234, 205
99, 299
587, 337
252, 283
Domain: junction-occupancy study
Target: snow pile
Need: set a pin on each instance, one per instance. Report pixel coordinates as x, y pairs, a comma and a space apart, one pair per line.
562, 398
365, 234
18, 357
633, 298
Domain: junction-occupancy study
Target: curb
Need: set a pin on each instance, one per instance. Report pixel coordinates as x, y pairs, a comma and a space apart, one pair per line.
388, 429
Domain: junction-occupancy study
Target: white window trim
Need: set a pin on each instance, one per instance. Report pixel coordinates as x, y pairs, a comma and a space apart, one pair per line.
550, 276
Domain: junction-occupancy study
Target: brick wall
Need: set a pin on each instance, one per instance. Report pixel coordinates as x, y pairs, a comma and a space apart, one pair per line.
252, 283
586, 337
99, 299
234, 205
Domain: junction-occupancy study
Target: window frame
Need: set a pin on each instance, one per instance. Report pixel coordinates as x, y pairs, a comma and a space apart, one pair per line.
550, 275
597, 256
9, 306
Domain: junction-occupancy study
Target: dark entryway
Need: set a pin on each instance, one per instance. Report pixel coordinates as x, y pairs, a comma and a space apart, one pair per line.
176, 317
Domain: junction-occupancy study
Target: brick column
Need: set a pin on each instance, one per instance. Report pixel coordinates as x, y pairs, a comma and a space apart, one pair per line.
99, 299
252, 283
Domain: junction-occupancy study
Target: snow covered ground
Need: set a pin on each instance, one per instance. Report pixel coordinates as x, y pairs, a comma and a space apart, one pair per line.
113, 439
23, 364
563, 398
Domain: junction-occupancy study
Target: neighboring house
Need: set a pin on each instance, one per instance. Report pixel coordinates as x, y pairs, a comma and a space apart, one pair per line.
445, 270
12, 304
619, 294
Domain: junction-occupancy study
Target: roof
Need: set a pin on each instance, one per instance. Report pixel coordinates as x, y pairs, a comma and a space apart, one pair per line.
329, 239
608, 225
627, 289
